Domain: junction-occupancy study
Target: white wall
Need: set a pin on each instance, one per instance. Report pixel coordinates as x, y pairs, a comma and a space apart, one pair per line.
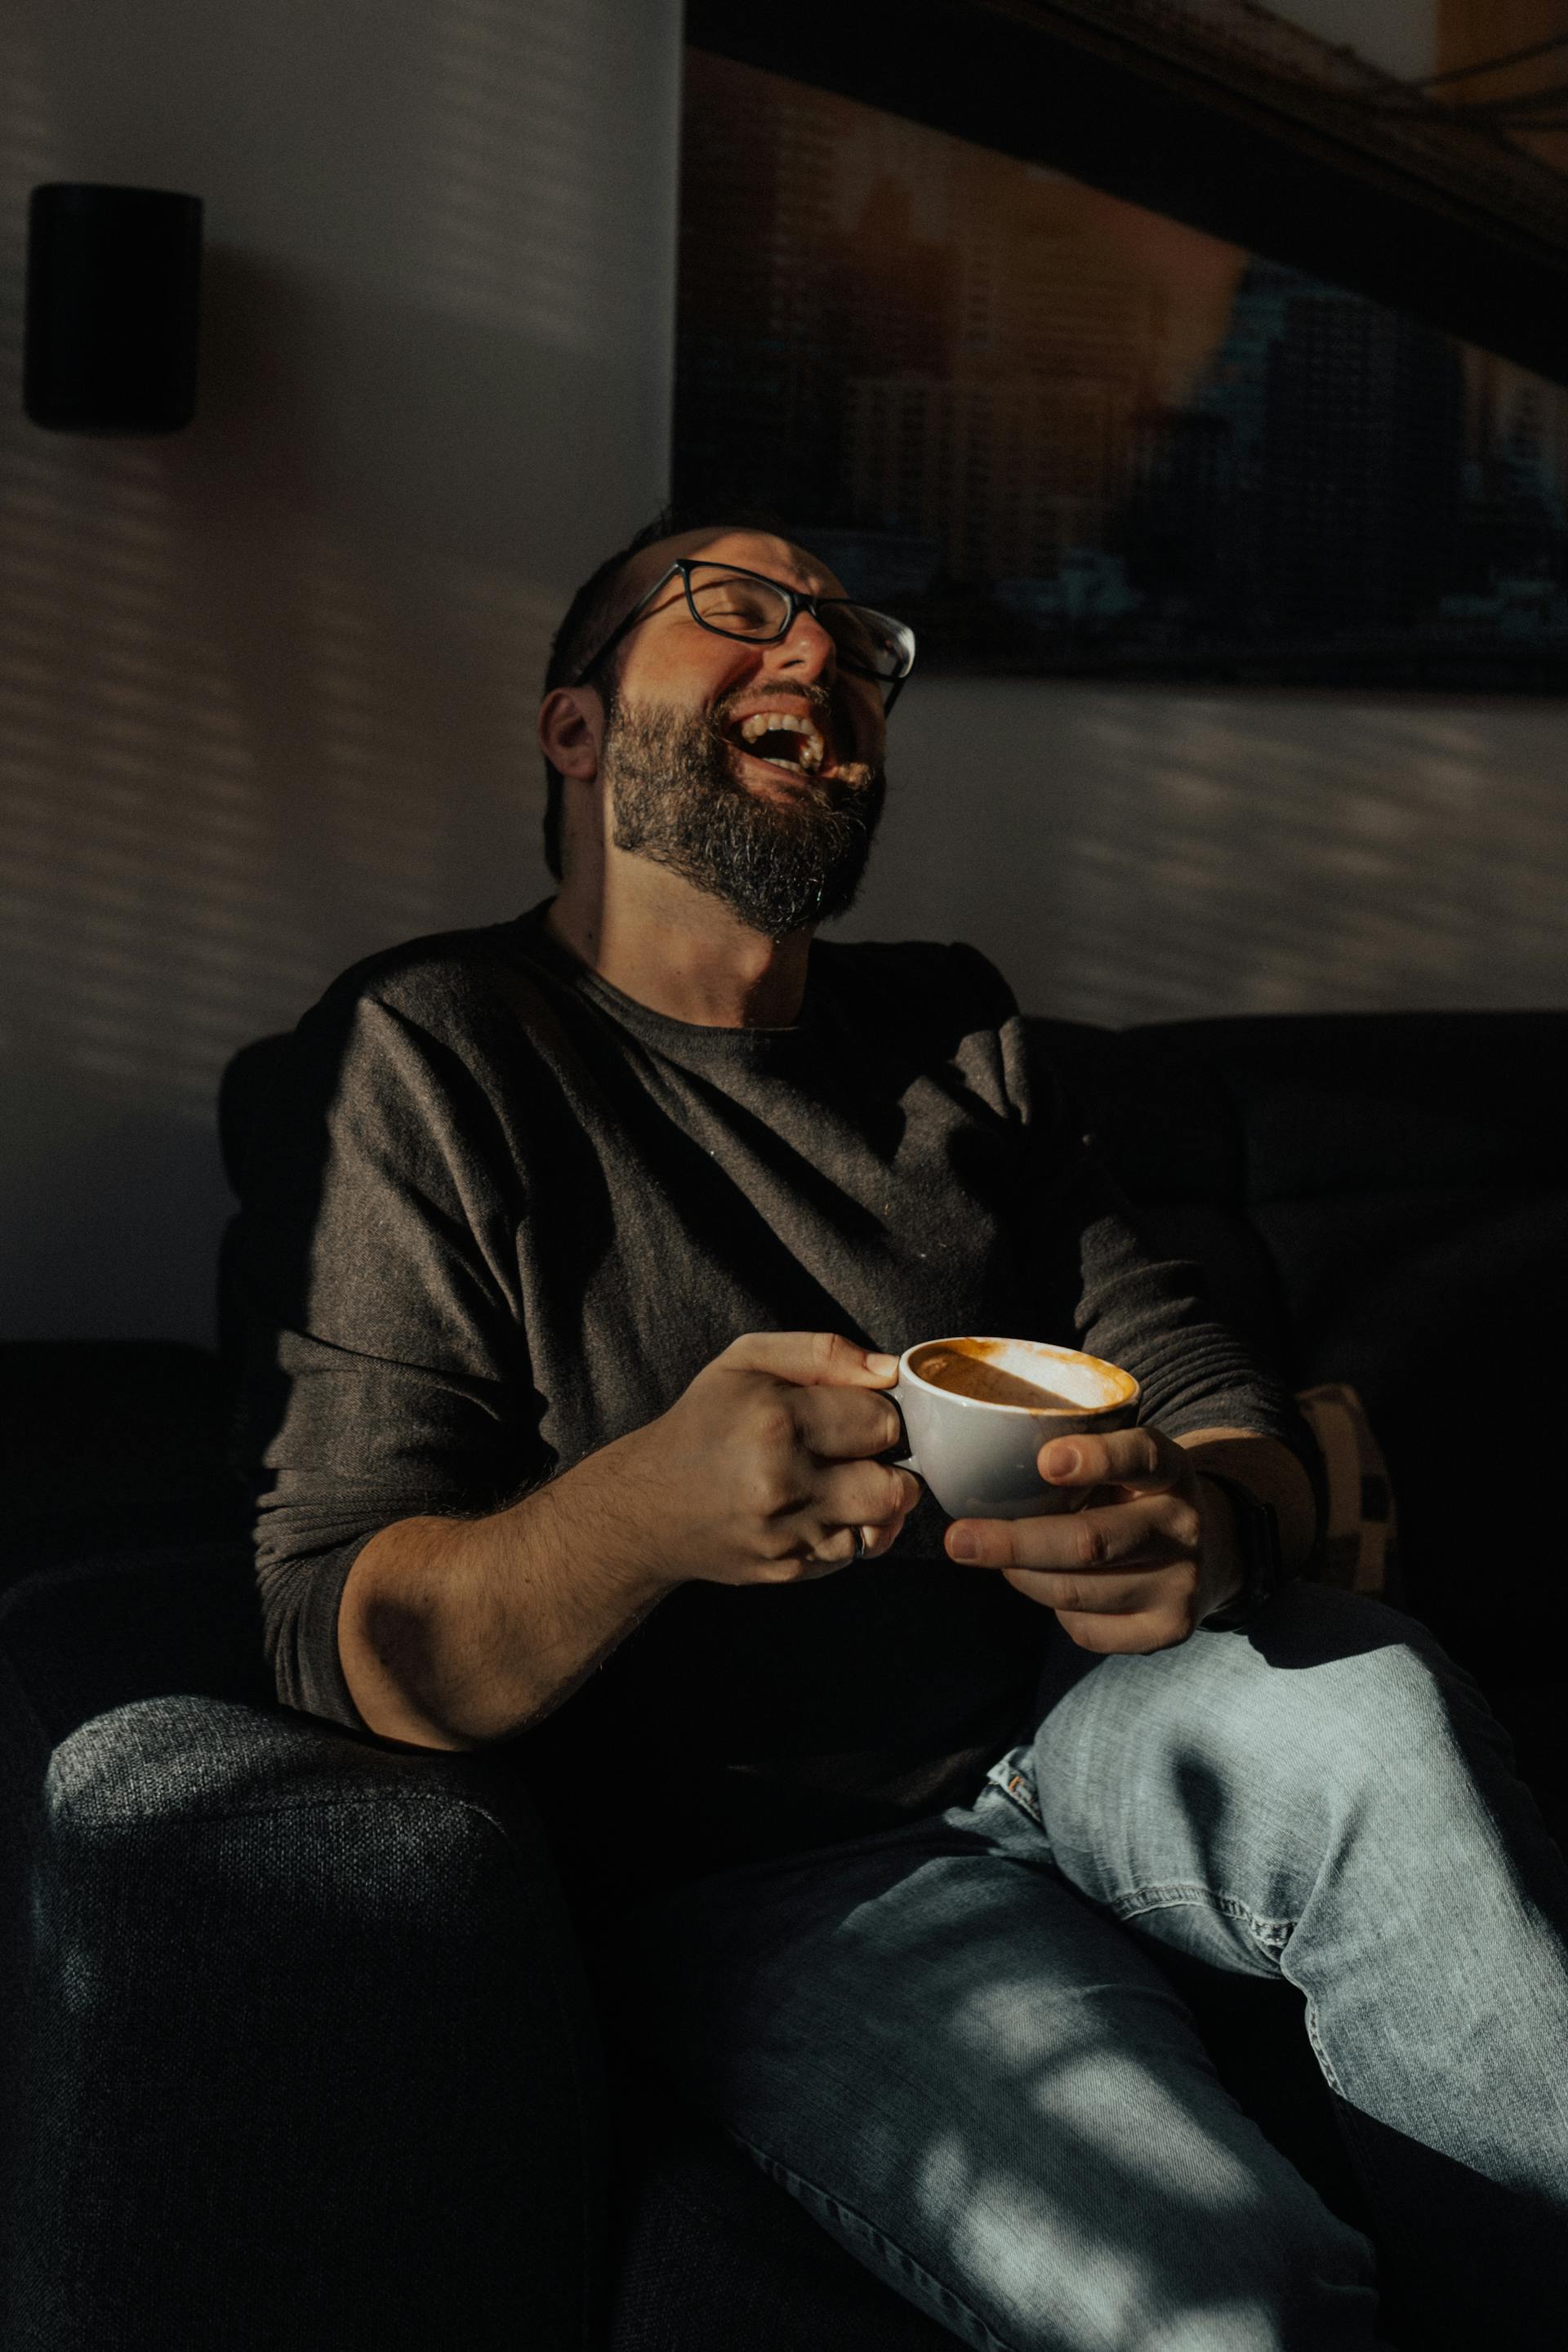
1147, 853
267, 685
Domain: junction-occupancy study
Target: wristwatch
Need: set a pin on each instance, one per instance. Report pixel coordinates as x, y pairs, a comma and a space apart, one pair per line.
1257, 1546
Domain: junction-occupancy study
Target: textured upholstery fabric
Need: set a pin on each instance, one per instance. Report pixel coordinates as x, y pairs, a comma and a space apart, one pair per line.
111, 1444
1405, 1177
148, 1621
318, 2002
1371, 1102
1474, 1288
80, 1639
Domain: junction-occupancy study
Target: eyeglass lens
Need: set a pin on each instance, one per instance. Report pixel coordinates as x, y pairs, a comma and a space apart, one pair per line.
743, 607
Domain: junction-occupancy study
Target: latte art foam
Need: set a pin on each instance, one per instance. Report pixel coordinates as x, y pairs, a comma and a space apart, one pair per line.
1018, 1373
972, 1376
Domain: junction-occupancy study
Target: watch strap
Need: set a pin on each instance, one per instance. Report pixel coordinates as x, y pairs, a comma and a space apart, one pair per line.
1258, 1544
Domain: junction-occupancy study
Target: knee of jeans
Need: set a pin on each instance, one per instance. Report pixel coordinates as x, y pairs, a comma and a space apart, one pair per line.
1397, 1709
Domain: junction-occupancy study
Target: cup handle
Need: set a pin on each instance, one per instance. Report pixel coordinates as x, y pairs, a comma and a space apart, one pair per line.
900, 1456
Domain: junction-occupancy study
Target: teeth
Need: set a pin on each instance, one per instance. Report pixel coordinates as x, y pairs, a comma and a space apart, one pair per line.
773, 722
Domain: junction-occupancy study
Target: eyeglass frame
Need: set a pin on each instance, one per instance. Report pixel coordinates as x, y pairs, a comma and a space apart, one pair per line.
797, 602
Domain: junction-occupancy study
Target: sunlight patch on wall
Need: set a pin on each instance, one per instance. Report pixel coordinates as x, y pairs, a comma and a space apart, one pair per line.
212, 799
1144, 855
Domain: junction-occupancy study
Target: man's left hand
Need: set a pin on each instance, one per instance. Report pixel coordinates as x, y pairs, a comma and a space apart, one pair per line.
1137, 1568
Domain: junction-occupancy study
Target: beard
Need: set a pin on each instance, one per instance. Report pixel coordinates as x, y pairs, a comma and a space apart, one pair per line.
779, 865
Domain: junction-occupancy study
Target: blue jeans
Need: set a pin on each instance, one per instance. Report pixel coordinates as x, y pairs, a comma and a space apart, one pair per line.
954, 2041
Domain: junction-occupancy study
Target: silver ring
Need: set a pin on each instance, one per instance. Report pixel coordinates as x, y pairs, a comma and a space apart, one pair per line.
860, 1545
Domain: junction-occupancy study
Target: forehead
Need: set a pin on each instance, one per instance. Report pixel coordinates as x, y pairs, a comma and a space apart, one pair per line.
750, 551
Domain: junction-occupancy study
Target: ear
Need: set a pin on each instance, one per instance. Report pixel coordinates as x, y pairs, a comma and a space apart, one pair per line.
570, 729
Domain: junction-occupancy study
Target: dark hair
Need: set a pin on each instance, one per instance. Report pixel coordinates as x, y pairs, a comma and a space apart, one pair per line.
590, 616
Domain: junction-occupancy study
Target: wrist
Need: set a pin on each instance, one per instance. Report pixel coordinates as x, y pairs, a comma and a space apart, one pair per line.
1224, 1571
1251, 1562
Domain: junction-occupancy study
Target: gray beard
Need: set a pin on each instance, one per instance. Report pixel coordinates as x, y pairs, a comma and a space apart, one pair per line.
675, 799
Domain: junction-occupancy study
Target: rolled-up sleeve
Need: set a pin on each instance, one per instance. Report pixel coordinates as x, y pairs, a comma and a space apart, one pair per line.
386, 1371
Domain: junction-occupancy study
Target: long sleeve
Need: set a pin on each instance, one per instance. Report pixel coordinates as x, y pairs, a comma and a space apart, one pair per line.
384, 1362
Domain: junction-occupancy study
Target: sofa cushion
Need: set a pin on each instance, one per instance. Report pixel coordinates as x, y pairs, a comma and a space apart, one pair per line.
148, 1622
110, 1444
1160, 1113
1450, 1339
308, 2058
78, 1641
1386, 1101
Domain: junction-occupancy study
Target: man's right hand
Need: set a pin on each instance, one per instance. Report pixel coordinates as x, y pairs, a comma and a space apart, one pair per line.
762, 1472
457, 1633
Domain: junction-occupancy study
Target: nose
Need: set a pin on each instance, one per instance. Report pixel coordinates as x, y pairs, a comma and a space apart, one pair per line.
808, 656
805, 650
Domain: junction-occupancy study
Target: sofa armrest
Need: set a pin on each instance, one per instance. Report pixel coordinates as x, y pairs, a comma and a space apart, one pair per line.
308, 2057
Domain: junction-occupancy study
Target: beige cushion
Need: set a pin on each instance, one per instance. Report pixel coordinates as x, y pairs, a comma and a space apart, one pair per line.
1360, 1548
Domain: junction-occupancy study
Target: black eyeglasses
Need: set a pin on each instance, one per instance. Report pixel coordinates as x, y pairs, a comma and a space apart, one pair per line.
749, 604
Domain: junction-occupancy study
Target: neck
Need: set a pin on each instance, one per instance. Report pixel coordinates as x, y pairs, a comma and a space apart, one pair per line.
677, 949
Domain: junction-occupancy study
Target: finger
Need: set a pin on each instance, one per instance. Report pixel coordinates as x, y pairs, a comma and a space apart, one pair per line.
1104, 1595
846, 1425
867, 1494
1144, 1459
1152, 1531
841, 1547
812, 1359
1138, 1633
834, 1548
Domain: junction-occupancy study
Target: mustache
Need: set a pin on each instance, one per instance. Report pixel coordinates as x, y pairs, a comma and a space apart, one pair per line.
818, 697
827, 792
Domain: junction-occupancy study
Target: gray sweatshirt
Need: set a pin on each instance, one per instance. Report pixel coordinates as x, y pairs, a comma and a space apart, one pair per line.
497, 1215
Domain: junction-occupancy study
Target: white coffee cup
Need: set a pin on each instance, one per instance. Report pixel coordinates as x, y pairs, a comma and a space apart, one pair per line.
979, 1452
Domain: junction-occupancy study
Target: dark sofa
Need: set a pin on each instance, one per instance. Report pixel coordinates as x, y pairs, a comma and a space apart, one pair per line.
296, 2047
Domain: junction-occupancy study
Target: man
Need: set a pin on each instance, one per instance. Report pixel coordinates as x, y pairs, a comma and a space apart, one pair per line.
578, 1278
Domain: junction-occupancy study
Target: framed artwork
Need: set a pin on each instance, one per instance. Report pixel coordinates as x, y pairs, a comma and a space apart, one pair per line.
1064, 433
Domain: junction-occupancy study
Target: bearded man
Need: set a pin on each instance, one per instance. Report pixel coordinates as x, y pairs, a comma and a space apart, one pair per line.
577, 1280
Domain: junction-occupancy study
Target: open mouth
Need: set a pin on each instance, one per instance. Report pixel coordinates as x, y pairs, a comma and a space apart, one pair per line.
781, 738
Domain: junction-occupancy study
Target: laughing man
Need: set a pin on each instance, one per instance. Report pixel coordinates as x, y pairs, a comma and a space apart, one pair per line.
579, 1276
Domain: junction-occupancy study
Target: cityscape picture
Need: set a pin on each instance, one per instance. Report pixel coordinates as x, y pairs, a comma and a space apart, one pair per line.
1061, 433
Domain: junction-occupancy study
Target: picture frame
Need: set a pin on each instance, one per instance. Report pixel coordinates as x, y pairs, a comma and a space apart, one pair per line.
1062, 429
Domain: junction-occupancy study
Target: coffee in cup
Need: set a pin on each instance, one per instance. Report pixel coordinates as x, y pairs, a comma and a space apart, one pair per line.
977, 1410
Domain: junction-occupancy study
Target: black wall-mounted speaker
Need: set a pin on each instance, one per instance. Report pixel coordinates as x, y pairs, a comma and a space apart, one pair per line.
113, 301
